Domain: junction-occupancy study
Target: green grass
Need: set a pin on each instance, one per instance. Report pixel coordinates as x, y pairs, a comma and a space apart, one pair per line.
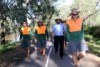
93, 44
6, 47
95, 48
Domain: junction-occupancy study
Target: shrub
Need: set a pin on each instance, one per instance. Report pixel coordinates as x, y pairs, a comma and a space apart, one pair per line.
95, 31
88, 37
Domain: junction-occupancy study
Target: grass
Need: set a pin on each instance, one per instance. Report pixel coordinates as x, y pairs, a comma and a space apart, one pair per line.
6, 47
94, 46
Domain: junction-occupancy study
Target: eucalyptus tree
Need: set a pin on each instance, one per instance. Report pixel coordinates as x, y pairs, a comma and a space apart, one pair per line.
14, 12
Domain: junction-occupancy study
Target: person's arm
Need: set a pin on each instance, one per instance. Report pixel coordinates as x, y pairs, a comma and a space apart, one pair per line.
31, 35
52, 33
64, 29
35, 36
89, 15
21, 35
47, 35
67, 33
52, 30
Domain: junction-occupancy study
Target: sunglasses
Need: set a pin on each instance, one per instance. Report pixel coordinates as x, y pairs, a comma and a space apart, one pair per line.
74, 14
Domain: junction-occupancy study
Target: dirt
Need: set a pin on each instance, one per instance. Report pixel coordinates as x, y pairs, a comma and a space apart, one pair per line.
90, 60
11, 57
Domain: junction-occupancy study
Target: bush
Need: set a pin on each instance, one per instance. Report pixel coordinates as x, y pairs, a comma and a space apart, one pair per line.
95, 31
86, 29
88, 37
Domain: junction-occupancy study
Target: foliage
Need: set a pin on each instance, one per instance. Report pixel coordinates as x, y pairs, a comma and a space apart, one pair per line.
98, 42
88, 37
14, 12
17, 11
92, 30
86, 9
86, 29
6, 47
94, 48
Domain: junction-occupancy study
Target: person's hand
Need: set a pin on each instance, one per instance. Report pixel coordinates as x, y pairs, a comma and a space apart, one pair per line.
20, 41
31, 41
68, 41
48, 40
52, 40
35, 40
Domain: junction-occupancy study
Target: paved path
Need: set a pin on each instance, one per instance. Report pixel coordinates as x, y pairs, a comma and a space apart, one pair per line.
53, 60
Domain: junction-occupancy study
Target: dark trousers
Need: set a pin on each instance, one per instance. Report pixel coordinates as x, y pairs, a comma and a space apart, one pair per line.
59, 40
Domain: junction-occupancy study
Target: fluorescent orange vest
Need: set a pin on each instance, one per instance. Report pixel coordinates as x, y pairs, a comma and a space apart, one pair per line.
25, 30
41, 29
75, 25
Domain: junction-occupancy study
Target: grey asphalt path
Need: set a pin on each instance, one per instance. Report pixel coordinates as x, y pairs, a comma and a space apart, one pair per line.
54, 60
35, 60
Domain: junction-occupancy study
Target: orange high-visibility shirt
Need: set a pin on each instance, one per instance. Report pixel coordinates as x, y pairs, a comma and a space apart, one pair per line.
25, 30
41, 29
75, 25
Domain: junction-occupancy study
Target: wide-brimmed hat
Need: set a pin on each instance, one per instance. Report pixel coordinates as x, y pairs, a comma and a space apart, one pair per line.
58, 19
74, 11
40, 22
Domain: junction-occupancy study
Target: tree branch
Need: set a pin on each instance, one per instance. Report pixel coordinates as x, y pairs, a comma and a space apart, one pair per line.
90, 15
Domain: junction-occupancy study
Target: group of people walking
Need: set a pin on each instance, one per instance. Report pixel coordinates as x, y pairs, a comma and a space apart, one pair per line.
70, 31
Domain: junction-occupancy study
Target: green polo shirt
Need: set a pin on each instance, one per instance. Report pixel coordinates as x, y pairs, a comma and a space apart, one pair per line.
41, 36
74, 36
26, 37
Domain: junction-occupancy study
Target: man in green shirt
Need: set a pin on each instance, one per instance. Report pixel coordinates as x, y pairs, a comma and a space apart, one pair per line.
75, 36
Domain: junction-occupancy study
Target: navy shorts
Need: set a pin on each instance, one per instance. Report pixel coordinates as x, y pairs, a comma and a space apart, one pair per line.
41, 44
25, 44
77, 46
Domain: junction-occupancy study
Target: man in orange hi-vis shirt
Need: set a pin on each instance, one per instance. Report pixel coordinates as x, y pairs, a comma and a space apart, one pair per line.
26, 38
41, 35
75, 36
